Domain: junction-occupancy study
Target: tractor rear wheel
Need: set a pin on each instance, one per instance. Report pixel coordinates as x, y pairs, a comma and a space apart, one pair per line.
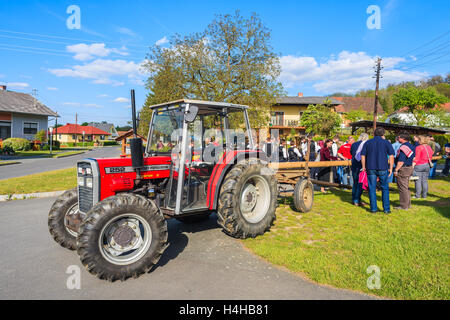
123, 236
64, 218
247, 200
303, 195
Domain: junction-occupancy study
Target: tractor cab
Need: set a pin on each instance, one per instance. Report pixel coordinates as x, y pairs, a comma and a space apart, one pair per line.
196, 135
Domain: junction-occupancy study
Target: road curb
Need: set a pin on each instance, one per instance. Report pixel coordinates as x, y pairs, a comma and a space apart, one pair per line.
68, 155
9, 163
8, 197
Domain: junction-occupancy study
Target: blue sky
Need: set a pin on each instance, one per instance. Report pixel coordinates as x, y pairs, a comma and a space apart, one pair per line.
325, 46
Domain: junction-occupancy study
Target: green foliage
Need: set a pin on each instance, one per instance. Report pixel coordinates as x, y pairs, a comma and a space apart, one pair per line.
421, 103
108, 143
442, 139
17, 144
231, 61
357, 115
41, 136
319, 119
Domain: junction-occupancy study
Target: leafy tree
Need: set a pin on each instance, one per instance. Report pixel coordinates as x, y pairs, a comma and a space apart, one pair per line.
231, 60
320, 119
84, 124
421, 103
41, 136
357, 115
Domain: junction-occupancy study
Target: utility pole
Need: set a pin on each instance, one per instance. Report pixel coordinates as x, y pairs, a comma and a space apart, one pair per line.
375, 107
56, 127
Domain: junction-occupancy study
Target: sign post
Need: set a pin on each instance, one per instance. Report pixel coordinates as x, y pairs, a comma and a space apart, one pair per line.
50, 129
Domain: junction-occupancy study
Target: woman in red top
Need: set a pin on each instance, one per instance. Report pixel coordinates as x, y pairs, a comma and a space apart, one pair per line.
421, 164
326, 155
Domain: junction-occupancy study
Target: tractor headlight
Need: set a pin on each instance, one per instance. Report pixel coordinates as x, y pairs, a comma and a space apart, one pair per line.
80, 181
89, 182
89, 171
80, 170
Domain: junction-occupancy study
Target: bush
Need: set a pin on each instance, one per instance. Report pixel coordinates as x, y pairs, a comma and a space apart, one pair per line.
442, 139
41, 136
6, 150
108, 143
17, 144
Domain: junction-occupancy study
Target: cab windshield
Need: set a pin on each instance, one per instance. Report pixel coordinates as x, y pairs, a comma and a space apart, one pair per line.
166, 127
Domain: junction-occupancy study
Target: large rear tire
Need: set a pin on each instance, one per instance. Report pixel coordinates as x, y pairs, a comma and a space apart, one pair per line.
248, 199
303, 195
123, 236
65, 205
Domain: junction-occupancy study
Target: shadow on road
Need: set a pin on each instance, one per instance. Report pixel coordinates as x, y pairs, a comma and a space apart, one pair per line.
178, 241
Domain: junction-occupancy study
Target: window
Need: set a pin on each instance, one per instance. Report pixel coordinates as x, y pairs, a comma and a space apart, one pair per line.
277, 118
5, 130
60, 136
30, 127
74, 137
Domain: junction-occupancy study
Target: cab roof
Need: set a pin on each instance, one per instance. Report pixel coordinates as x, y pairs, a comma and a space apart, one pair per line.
202, 105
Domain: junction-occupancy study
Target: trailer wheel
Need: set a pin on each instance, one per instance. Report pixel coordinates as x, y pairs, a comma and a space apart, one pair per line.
64, 211
123, 236
247, 200
303, 195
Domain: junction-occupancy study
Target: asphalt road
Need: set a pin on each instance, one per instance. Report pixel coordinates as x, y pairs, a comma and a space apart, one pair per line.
200, 263
36, 165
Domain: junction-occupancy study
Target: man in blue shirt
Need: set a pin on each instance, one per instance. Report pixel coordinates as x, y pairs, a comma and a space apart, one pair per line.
403, 170
374, 160
447, 159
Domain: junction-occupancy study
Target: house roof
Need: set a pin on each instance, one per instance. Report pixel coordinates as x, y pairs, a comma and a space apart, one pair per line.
103, 126
18, 102
126, 134
395, 127
305, 100
78, 129
356, 103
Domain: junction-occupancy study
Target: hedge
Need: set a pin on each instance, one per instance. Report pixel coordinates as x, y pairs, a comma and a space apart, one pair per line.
17, 144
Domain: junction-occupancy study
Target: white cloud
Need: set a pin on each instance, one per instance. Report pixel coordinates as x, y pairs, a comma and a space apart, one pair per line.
162, 41
127, 32
348, 72
102, 95
52, 88
72, 104
77, 104
122, 100
101, 71
17, 85
85, 52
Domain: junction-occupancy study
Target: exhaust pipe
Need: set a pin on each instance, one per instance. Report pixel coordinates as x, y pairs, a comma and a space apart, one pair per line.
137, 157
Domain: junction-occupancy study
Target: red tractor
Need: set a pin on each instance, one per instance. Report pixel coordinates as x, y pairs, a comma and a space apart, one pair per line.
194, 164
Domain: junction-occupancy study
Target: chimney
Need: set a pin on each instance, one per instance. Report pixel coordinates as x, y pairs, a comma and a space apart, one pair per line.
300, 94
3, 87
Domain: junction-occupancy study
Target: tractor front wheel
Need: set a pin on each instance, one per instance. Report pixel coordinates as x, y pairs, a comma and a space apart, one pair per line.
64, 219
247, 200
123, 236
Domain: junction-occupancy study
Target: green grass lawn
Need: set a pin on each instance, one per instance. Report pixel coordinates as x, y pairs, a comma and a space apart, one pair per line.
336, 242
57, 180
46, 153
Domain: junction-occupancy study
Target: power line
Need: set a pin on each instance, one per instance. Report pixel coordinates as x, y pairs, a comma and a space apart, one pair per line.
424, 45
426, 62
64, 38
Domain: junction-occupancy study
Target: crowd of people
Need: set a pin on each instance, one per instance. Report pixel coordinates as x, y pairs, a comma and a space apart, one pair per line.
374, 163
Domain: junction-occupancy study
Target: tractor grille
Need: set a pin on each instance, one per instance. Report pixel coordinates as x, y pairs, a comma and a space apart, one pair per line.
86, 199
86, 186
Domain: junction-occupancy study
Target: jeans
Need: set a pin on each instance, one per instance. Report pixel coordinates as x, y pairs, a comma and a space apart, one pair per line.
372, 176
433, 170
357, 189
422, 171
447, 166
340, 174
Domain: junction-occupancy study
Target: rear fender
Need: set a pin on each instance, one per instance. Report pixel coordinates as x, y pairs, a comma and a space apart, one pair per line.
221, 169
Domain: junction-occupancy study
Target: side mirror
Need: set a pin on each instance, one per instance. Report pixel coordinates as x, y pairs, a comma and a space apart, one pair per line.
191, 114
